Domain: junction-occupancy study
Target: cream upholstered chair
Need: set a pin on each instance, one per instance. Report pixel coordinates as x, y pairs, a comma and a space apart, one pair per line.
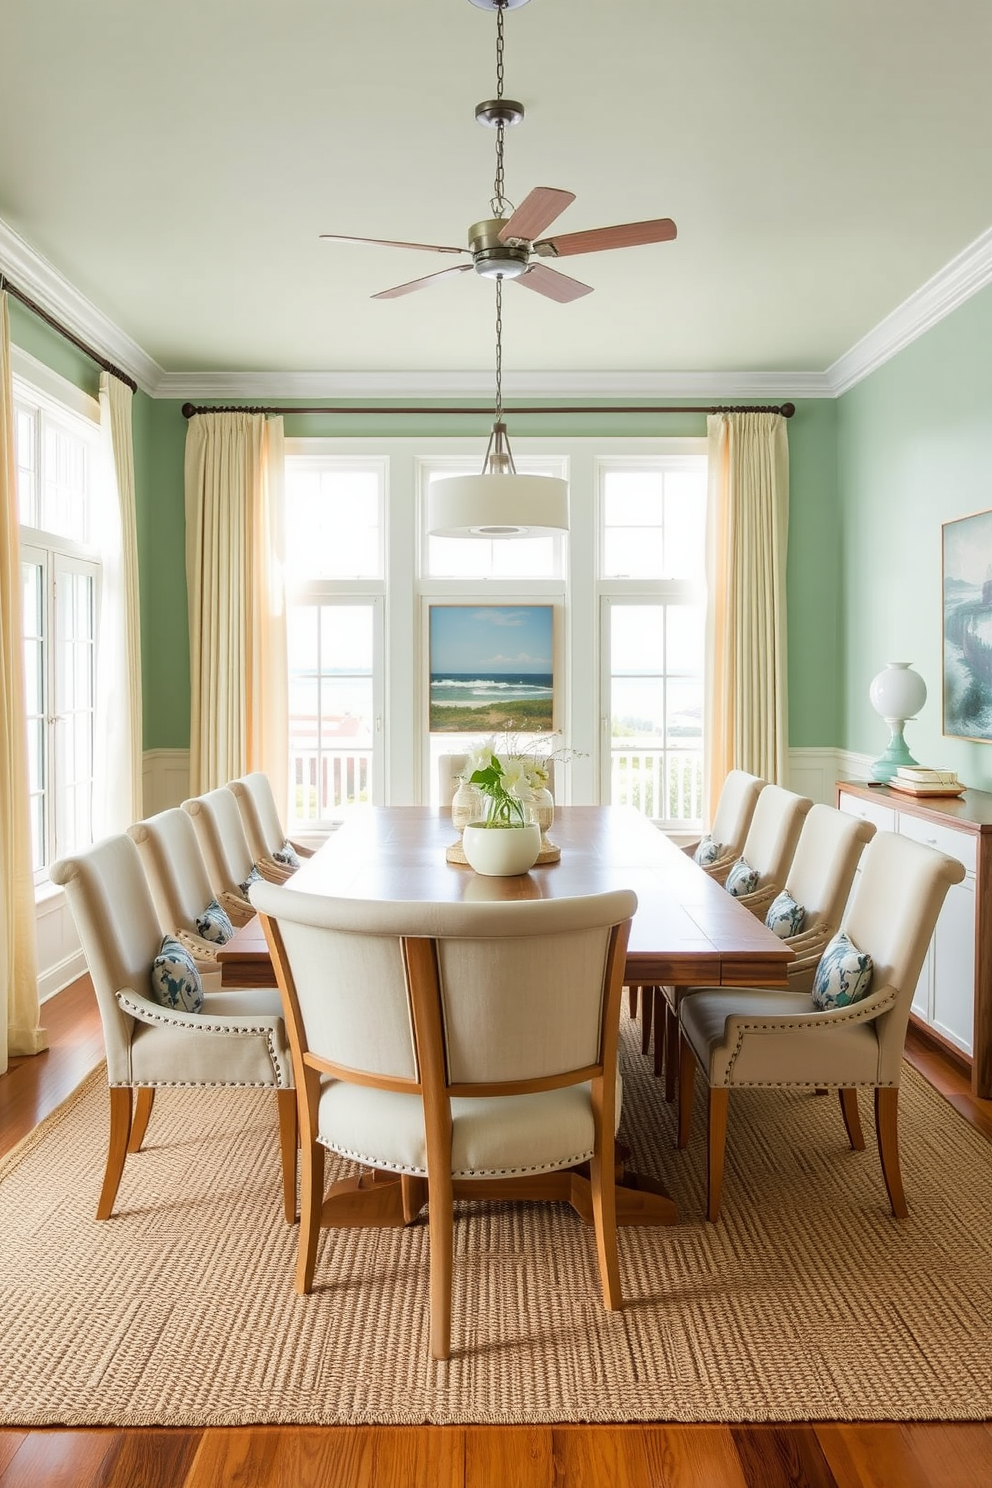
177, 877
263, 828
770, 844
225, 849
742, 1038
820, 879
449, 770
237, 1039
735, 808
453, 1042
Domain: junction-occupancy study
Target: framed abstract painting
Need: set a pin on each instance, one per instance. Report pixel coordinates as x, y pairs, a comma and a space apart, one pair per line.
967, 651
491, 668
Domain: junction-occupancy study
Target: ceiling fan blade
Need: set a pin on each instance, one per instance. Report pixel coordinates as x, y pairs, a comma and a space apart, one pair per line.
556, 286
626, 235
411, 285
390, 243
537, 211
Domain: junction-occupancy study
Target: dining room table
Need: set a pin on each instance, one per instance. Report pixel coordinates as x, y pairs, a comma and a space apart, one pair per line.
687, 931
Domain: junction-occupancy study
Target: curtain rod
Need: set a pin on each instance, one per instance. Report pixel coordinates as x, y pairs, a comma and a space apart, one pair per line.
49, 320
189, 410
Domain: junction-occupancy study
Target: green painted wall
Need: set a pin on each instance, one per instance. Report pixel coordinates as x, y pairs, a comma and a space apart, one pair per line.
914, 451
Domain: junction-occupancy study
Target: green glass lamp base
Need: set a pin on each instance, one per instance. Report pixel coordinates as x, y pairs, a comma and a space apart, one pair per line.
895, 755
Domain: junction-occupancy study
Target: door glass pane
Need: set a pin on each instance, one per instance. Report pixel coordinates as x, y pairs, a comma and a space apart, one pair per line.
332, 706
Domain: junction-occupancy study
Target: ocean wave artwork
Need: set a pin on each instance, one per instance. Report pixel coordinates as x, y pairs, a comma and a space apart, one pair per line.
491, 668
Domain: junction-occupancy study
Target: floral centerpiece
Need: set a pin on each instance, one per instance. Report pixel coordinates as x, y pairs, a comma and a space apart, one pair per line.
507, 782
509, 786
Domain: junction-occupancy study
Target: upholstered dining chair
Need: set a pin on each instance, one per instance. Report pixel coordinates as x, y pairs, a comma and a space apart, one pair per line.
722, 845
746, 1039
275, 854
817, 888
453, 1042
180, 886
230, 863
769, 847
236, 1039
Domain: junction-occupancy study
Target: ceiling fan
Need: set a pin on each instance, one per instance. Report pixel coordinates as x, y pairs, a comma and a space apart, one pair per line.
509, 243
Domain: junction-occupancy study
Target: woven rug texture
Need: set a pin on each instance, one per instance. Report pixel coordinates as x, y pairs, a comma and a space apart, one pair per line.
806, 1302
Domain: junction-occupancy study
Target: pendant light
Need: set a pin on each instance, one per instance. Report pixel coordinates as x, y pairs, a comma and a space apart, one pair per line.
498, 502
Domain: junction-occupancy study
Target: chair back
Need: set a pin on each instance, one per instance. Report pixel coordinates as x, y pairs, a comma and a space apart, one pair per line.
449, 769
222, 839
827, 856
173, 864
892, 915
259, 814
119, 932
771, 839
522, 992
738, 798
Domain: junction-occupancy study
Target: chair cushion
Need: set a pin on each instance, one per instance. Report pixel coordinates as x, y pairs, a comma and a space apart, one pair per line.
175, 981
785, 916
707, 851
742, 879
286, 856
214, 925
843, 975
253, 877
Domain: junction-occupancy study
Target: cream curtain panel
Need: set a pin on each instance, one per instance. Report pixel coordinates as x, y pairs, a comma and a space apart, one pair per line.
237, 613
746, 542
20, 1031
118, 799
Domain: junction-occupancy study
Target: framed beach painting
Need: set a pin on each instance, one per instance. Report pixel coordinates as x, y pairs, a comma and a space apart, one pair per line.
491, 668
967, 600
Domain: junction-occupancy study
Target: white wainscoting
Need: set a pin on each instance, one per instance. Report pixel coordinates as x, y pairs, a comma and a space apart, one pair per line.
165, 779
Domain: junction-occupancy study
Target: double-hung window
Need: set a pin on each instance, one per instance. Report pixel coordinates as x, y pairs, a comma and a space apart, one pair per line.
56, 452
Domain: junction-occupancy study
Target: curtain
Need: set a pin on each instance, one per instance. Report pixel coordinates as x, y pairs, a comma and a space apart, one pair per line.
746, 540
19, 1007
237, 614
118, 795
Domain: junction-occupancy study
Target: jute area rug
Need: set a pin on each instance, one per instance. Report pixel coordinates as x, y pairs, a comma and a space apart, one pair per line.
806, 1302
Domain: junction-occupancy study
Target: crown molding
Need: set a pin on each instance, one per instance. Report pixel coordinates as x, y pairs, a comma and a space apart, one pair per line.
956, 282
310, 386
43, 283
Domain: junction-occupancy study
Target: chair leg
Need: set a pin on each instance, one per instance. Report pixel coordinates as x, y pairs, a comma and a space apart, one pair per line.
288, 1139
887, 1130
660, 1031
441, 1223
719, 1101
311, 1203
144, 1100
602, 1184
632, 1000
672, 1040
647, 1009
687, 1085
120, 1132
852, 1118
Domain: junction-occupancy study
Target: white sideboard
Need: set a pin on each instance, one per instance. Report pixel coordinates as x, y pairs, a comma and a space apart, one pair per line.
953, 999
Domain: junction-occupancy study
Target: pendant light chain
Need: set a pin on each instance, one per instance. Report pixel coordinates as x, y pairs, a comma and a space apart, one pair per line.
499, 202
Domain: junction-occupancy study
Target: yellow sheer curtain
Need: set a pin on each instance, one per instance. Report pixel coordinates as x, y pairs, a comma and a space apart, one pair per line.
746, 543
237, 615
19, 1006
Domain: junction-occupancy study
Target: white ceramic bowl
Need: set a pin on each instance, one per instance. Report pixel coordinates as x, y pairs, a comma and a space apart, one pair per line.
502, 851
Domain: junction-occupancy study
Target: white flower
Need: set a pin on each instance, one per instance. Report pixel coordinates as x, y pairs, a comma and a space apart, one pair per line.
481, 757
516, 777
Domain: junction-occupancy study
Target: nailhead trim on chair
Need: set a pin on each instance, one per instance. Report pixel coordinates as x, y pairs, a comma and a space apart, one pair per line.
374, 1162
854, 1014
202, 1026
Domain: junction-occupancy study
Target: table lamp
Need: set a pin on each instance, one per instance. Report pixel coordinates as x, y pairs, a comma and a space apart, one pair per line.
897, 693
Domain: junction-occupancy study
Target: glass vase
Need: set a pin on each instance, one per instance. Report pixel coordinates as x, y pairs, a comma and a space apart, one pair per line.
541, 809
467, 805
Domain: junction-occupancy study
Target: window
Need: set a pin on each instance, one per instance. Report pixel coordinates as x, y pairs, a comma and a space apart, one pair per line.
652, 535
55, 458
335, 568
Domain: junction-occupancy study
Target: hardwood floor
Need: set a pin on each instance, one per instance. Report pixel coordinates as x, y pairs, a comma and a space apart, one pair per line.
913, 1455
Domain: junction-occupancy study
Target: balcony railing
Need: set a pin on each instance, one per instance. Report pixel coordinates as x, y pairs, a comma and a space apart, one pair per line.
666, 784
325, 782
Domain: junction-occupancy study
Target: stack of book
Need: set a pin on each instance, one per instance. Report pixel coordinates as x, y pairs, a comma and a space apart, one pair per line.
919, 780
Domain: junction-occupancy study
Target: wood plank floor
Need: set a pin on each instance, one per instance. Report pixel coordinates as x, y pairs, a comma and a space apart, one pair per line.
914, 1455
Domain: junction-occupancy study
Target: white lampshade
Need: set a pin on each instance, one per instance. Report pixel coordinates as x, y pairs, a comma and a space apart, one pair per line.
898, 691
497, 506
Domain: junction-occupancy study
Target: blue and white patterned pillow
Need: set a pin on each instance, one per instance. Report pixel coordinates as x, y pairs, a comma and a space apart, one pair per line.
214, 925
742, 879
253, 877
286, 856
175, 980
707, 851
785, 916
843, 975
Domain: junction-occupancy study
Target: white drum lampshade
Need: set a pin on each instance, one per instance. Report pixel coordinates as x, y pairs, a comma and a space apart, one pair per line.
897, 693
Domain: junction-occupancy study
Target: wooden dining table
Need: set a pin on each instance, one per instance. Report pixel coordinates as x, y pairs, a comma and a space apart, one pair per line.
687, 931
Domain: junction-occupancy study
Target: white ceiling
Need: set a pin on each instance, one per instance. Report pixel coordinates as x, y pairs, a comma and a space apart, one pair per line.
176, 161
